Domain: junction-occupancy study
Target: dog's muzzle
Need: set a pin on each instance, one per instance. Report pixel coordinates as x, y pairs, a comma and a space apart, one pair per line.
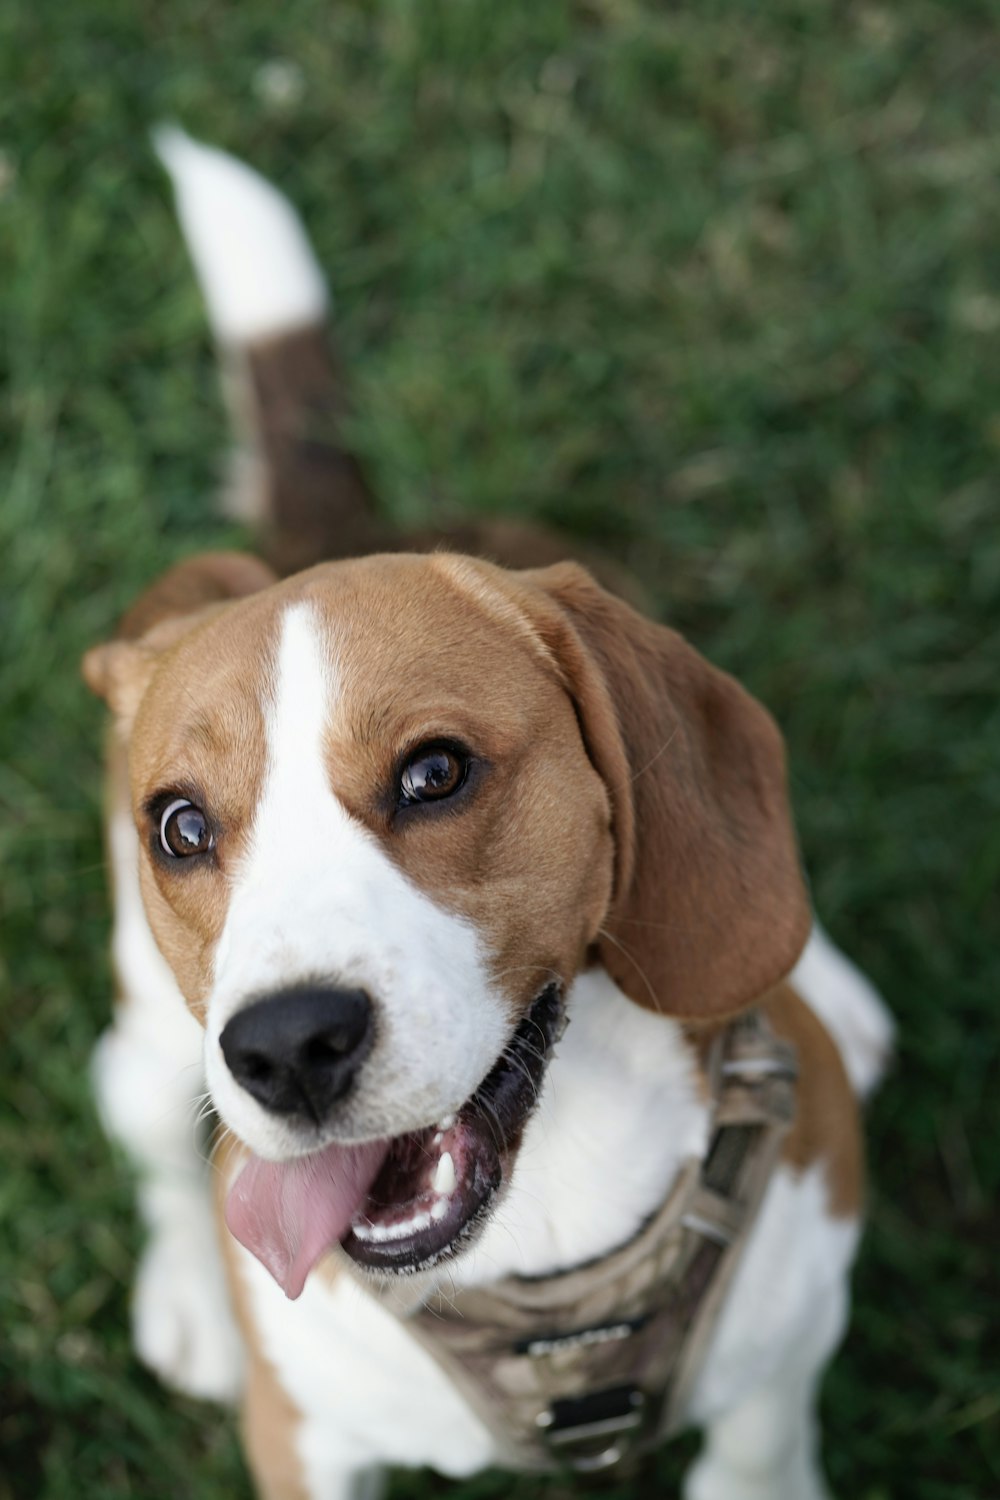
397, 1205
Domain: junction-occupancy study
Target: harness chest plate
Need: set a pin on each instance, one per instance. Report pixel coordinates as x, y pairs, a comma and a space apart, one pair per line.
592, 1365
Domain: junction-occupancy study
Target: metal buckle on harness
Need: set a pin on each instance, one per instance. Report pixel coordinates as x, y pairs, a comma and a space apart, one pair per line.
577, 1429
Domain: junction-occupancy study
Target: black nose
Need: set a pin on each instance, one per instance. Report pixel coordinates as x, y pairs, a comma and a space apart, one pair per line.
297, 1052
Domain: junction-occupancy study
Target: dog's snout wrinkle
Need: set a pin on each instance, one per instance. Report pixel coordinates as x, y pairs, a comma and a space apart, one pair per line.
298, 1052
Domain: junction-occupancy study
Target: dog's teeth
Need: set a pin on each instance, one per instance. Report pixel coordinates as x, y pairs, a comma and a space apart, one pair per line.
444, 1177
439, 1209
378, 1232
446, 1123
438, 1138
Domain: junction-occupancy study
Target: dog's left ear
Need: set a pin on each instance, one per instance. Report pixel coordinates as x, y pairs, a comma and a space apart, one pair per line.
709, 908
120, 670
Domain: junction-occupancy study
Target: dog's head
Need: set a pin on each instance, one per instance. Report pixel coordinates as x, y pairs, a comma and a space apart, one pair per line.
388, 809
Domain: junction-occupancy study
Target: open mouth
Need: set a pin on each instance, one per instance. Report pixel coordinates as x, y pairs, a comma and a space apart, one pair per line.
398, 1205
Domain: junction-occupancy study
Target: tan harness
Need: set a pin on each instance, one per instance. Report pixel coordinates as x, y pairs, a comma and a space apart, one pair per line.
586, 1367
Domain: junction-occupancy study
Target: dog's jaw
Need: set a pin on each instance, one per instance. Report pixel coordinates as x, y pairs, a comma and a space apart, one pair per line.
400, 1206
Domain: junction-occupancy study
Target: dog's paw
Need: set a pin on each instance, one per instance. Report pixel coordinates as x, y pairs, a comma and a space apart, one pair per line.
182, 1323
712, 1480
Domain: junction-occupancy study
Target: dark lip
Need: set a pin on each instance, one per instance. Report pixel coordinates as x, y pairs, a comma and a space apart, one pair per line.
486, 1136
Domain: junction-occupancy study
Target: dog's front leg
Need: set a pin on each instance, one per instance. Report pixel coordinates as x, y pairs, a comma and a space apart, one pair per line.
764, 1449
293, 1457
785, 1314
148, 1079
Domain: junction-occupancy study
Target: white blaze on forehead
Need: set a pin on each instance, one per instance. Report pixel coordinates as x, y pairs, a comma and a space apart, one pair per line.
318, 900
287, 837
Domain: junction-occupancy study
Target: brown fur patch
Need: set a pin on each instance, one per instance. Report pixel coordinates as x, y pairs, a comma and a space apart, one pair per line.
119, 671
187, 687
318, 502
200, 733
524, 852
710, 909
269, 1419
209, 578
581, 716
826, 1129
269, 1423
434, 665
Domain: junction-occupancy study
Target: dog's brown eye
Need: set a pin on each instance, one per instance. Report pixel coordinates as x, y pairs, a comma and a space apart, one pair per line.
184, 829
432, 774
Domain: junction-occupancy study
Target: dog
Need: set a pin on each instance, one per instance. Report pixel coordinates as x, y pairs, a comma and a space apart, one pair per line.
475, 895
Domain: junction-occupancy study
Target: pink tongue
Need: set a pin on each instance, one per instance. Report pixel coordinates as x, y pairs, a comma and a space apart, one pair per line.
288, 1213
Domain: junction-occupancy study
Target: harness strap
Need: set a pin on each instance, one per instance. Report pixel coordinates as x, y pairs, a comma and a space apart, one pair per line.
592, 1365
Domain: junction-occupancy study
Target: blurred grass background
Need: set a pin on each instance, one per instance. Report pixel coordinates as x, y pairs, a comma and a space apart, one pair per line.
713, 285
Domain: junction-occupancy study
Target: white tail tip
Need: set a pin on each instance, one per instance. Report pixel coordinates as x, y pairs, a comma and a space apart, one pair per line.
256, 267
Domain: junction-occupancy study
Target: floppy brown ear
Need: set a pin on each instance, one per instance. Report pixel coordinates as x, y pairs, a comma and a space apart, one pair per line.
119, 670
710, 909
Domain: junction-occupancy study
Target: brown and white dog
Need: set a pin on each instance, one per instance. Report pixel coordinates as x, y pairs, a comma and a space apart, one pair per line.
373, 827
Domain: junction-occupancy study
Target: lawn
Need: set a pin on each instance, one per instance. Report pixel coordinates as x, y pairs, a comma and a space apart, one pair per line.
714, 286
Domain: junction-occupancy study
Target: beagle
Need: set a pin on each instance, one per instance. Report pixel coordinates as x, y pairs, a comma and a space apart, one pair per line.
450, 877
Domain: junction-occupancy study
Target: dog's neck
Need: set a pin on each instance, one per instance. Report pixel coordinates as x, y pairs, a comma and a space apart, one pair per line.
590, 1172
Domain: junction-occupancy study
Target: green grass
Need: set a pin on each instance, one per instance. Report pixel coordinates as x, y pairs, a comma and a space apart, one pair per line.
716, 285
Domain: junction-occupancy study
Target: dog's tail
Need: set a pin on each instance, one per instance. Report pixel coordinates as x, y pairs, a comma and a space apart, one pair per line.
268, 305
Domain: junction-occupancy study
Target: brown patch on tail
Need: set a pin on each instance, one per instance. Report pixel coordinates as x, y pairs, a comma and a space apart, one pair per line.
313, 497
317, 501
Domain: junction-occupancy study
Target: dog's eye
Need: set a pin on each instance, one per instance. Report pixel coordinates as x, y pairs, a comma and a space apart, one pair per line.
184, 829
435, 772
